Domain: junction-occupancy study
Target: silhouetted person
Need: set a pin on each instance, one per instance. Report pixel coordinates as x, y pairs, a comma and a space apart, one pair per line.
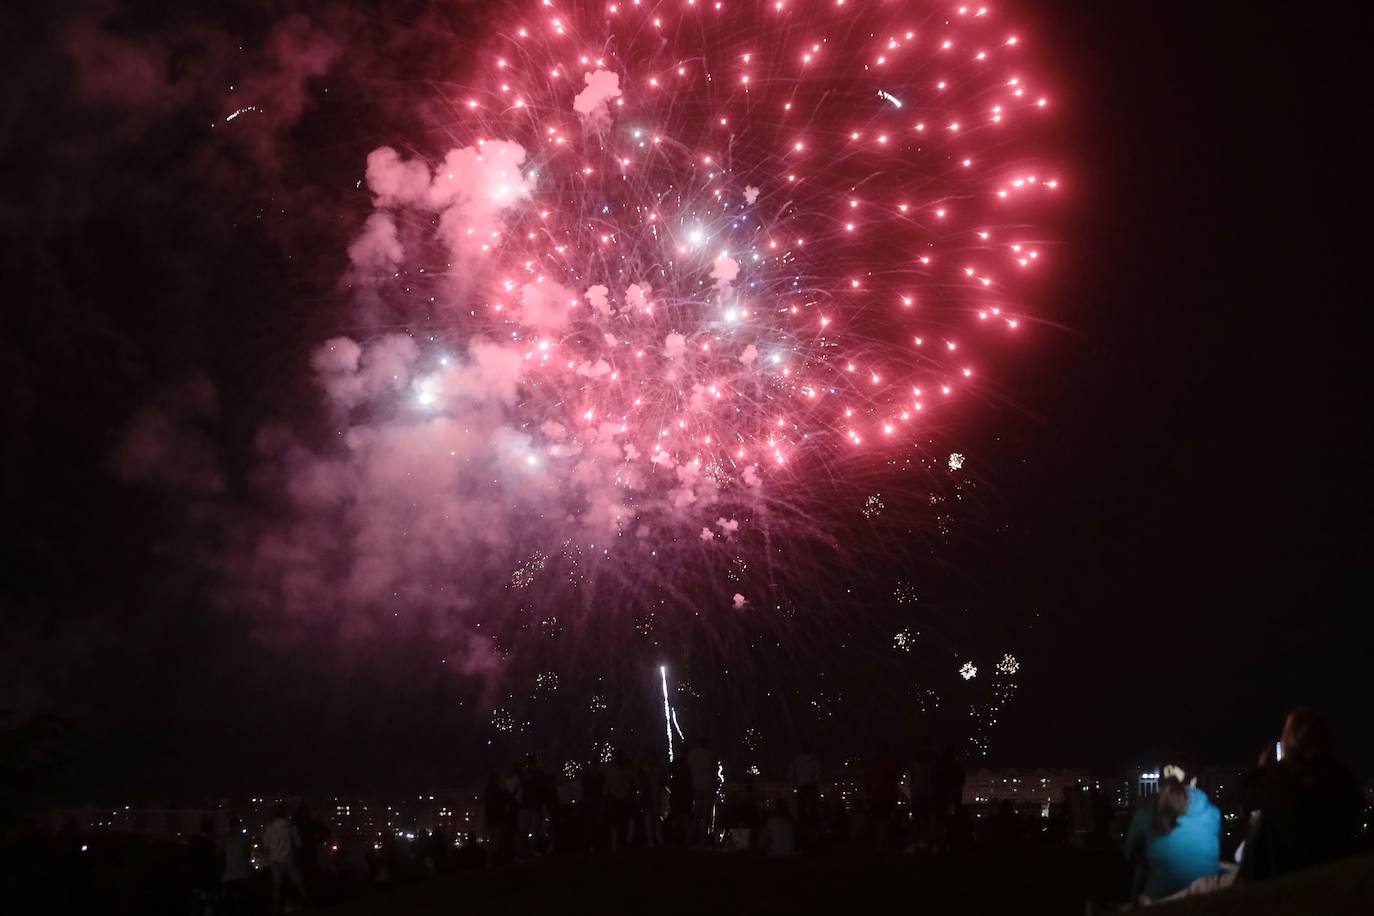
1306, 803
566, 812
203, 861
236, 852
547, 785
680, 799
705, 782
740, 817
882, 782
620, 788
650, 785
280, 843
594, 801
1004, 826
439, 847
470, 853
949, 793
779, 832
804, 776
531, 793
494, 803
311, 835
921, 781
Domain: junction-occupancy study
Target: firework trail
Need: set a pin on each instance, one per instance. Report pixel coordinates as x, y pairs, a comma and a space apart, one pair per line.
688, 273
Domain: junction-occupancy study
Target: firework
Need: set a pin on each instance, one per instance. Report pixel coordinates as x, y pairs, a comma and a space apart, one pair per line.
717, 244
904, 593
688, 273
502, 720
985, 715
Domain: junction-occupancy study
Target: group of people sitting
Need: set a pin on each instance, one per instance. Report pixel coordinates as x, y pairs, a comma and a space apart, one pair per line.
1300, 807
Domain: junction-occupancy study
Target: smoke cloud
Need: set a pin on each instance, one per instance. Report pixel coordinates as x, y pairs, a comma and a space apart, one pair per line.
724, 271
597, 297
593, 102
674, 345
166, 444
637, 295
544, 306
377, 249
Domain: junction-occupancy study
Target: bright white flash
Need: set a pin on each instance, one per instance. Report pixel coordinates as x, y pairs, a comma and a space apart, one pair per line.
667, 713
426, 392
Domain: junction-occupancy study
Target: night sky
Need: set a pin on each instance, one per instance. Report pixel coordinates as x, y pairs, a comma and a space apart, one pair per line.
1174, 486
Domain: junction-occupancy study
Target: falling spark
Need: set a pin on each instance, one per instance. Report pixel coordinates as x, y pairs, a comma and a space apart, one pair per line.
667, 711
889, 97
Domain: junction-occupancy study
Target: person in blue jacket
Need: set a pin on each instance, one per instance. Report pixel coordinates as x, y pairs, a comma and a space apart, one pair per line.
1177, 836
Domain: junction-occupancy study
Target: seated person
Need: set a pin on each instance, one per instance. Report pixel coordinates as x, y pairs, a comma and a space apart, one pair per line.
1177, 835
779, 834
1305, 806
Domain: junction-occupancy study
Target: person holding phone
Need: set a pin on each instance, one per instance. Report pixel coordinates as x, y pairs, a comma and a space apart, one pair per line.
1304, 805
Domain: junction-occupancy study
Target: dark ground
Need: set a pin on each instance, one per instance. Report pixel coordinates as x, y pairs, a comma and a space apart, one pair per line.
1050, 881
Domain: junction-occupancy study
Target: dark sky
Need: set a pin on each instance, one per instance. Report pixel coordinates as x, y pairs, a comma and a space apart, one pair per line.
1184, 470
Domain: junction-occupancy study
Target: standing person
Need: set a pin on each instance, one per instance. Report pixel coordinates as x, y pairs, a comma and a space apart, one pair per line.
921, 781
620, 805
1177, 836
680, 800
311, 834
530, 801
705, 783
594, 805
1306, 804
548, 806
651, 799
882, 786
567, 811
804, 775
281, 843
511, 823
494, 803
235, 850
948, 777
204, 868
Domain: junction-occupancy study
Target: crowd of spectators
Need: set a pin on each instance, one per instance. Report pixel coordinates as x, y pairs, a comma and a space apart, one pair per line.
1299, 807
